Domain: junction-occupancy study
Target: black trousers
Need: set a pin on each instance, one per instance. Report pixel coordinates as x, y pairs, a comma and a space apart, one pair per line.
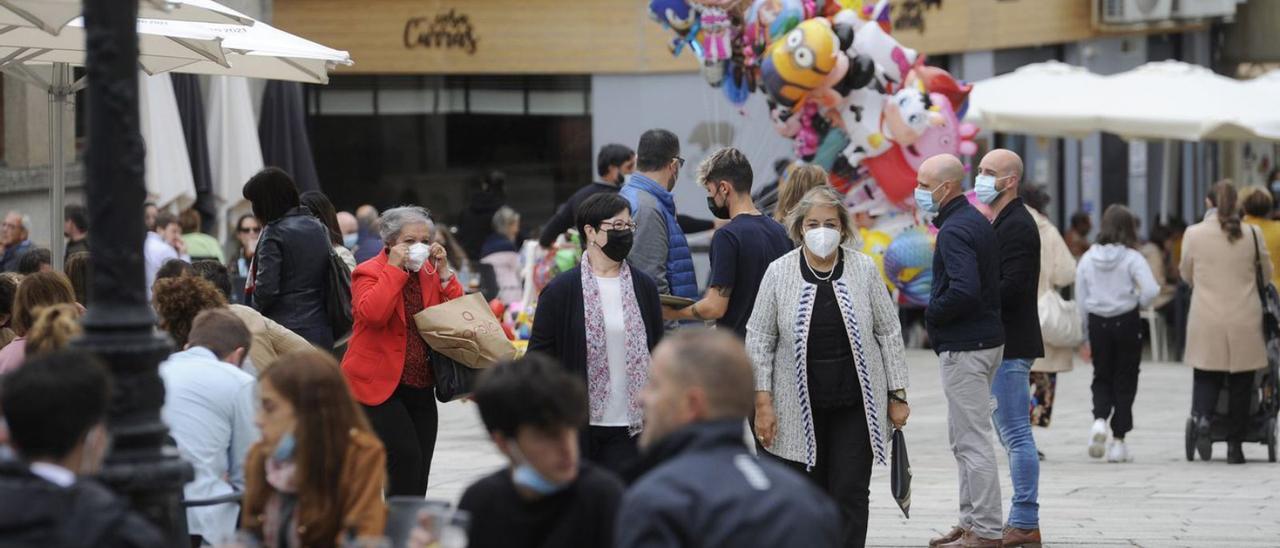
1204, 399
844, 464
407, 424
1117, 351
611, 447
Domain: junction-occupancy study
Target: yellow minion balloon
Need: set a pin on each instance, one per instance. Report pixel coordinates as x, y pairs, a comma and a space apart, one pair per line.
806, 59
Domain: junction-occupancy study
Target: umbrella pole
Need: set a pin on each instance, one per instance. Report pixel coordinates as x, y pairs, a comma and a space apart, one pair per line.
59, 91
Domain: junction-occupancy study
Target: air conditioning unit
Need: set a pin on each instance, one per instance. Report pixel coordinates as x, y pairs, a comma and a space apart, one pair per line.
1203, 9
1128, 12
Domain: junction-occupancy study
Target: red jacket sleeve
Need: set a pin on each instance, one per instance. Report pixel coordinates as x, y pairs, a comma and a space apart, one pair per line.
376, 292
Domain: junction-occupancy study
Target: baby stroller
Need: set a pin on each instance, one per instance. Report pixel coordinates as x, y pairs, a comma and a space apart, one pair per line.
1264, 398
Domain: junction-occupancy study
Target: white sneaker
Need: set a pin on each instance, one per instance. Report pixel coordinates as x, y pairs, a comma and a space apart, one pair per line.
1118, 452
1098, 438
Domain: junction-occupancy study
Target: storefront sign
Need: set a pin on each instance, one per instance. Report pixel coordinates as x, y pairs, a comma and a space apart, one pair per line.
447, 31
618, 36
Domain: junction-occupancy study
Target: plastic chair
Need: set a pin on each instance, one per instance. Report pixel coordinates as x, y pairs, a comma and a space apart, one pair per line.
1159, 334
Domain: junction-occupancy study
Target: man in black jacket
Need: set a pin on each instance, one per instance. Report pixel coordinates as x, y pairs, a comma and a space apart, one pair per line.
999, 175
963, 319
613, 163
56, 407
700, 486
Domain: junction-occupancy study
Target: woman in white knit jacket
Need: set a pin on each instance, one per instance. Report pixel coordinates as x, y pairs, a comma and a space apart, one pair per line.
827, 349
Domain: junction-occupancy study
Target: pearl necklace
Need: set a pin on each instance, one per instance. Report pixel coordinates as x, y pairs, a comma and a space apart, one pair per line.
805, 258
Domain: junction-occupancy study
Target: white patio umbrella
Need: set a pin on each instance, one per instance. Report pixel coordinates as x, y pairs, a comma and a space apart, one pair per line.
256, 51
51, 16
1050, 99
1257, 110
1174, 100
259, 51
234, 151
168, 167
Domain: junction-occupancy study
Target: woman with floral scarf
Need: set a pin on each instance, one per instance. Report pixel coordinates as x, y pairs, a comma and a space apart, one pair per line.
601, 320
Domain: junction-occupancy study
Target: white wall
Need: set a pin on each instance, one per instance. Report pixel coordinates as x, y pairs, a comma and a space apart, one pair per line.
624, 106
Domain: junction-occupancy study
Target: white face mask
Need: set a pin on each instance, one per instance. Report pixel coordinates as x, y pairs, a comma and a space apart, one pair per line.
418, 254
822, 241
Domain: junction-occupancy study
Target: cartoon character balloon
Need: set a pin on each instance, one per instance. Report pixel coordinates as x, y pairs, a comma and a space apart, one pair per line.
678, 16
907, 115
874, 244
860, 113
950, 136
872, 40
806, 62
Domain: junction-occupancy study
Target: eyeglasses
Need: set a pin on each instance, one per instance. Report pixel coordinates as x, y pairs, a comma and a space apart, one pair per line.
617, 225
681, 160
253, 229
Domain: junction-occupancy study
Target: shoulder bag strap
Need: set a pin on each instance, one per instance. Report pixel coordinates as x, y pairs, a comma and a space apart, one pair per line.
1257, 269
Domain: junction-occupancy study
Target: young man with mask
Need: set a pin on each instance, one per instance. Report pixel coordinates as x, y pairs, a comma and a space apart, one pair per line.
699, 486
56, 408
547, 497
999, 176
614, 163
209, 407
963, 320
661, 250
740, 250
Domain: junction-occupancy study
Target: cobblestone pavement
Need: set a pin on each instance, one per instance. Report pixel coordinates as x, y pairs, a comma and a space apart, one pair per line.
1160, 499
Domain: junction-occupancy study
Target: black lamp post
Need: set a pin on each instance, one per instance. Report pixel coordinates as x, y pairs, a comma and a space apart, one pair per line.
119, 326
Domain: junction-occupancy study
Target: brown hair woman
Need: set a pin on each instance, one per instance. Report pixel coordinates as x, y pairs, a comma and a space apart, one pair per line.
317, 474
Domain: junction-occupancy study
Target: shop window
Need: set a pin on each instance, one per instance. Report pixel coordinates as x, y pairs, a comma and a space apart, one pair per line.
389, 140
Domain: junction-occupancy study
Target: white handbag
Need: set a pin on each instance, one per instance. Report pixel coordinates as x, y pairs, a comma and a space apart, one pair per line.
1059, 321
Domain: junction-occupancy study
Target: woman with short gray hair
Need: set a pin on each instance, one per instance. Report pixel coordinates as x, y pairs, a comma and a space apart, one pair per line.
386, 363
831, 372
506, 228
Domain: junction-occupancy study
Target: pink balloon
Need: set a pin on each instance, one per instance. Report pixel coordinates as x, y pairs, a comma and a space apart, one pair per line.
949, 137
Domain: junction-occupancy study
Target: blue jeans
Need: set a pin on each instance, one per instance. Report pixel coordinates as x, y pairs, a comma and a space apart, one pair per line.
1012, 417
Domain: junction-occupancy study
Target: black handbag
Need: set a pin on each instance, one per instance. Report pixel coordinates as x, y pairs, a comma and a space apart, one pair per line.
900, 473
1266, 294
453, 380
337, 297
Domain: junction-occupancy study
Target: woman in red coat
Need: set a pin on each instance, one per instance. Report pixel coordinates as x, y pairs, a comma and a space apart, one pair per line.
386, 361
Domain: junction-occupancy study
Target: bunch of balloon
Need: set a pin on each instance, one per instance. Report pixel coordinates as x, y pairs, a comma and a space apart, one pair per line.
851, 97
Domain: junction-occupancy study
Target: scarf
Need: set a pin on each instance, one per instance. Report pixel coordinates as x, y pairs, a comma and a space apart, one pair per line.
280, 517
598, 356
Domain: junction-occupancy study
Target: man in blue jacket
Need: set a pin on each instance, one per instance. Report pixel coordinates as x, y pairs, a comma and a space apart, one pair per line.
700, 487
963, 320
660, 249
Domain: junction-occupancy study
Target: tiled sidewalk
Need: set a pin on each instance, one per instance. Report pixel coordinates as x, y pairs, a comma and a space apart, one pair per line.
1160, 499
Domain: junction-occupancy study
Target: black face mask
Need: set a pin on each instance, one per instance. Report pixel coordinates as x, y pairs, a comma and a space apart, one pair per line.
720, 211
619, 244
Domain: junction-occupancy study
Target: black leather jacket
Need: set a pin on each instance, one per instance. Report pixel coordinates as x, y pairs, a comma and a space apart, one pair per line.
293, 266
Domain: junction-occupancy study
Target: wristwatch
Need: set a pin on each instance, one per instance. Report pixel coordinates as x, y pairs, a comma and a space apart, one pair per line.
898, 395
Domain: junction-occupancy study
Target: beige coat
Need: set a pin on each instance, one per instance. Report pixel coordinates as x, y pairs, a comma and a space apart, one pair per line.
1057, 270
270, 339
1224, 330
